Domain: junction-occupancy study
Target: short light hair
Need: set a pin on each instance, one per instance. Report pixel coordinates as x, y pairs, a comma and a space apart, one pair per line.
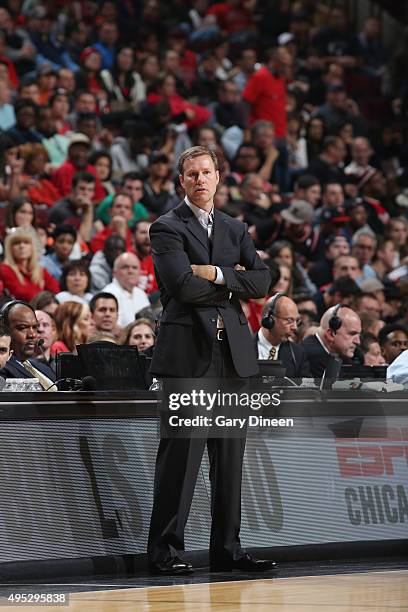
197, 151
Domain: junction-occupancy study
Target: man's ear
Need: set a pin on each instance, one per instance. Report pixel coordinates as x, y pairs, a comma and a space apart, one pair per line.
10, 354
181, 179
217, 172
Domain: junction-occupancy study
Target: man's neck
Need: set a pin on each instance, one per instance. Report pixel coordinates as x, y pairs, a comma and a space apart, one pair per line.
271, 337
207, 207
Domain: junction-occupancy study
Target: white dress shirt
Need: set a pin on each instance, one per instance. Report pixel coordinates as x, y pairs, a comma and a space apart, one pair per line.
264, 346
397, 371
129, 302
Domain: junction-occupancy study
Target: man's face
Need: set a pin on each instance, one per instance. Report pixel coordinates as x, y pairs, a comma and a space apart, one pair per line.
312, 194
361, 151
5, 352
346, 266
46, 123
66, 80
247, 160
105, 315
83, 192
286, 321
46, 328
199, 180
253, 190
364, 249
24, 331
373, 357
347, 338
31, 92
133, 188
122, 207
63, 246
127, 271
333, 196
142, 238
395, 344
370, 305
26, 117
114, 246
78, 155
340, 246
108, 34
88, 127
265, 138
86, 103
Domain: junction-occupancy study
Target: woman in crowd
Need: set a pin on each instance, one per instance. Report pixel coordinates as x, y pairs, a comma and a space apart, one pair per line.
125, 88
45, 301
397, 231
139, 333
282, 251
75, 283
21, 273
74, 326
102, 162
40, 189
88, 77
315, 134
20, 213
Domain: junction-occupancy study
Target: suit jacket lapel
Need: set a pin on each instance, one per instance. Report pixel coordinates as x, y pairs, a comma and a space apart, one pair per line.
193, 225
218, 239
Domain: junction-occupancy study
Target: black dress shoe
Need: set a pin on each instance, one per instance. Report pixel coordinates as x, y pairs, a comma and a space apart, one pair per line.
171, 567
247, 563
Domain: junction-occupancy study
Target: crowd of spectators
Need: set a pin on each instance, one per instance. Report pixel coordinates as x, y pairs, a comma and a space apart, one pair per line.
306, 111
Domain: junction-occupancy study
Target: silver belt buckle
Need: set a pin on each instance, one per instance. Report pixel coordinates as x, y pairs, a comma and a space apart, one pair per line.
220, 334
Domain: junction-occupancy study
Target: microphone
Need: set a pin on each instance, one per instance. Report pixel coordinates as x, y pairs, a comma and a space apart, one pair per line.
40, 344
88, 383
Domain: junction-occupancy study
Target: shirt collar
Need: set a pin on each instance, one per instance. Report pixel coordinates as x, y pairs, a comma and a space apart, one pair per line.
199, 212
264, 342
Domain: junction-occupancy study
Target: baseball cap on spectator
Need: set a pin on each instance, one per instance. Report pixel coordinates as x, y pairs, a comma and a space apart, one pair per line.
87, 52
298, 212
335, 215
78, 138
371, 285
285, 39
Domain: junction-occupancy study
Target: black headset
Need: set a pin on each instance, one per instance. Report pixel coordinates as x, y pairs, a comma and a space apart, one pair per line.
268, 320
5, 310
335, 322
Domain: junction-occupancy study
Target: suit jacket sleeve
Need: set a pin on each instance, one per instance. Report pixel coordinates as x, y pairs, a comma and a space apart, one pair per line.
174, 269
255, 280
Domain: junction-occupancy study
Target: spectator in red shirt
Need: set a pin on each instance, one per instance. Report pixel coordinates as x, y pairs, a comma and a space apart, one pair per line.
147, 280
78, 152
266, 91
232, 15
21, 273
121, 213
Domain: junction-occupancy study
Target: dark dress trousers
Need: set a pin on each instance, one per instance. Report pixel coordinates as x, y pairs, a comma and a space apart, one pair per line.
293, 358
14, 369
187, 347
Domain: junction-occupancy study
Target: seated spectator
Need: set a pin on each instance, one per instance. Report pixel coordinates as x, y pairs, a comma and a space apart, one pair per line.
282, 251
367, 303
144, 252
274, 155
364, 245
47, 332
393, 339
55, 144
7, 115
105, 310
74, 326
131, 299
20, 213
45, 301
64, 240
121, 214
76, 209
101, 266
40, 189
102, 162
21, 321
132, 184
191, 114
88, 76
338, 109
78, 152
371, 350
139, 333
371, 324
5, 346
75, 283
21, 273
59, 106
385, 259
397, 231
24, 129
158, 194
126, 89
130, 153
321, 272
327, 341
398, 370
327, 167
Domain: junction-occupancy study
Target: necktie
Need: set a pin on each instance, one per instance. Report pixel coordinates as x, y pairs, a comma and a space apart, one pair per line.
210, 230
272, 353
44, 381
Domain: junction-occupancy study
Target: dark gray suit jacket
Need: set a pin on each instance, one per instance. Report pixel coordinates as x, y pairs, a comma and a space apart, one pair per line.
191, 304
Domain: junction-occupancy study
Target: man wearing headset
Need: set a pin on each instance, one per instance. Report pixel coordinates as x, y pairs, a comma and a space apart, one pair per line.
275, 339
338, 335
19, 318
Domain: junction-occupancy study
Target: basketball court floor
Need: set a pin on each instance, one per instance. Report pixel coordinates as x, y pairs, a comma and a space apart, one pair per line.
365, 586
